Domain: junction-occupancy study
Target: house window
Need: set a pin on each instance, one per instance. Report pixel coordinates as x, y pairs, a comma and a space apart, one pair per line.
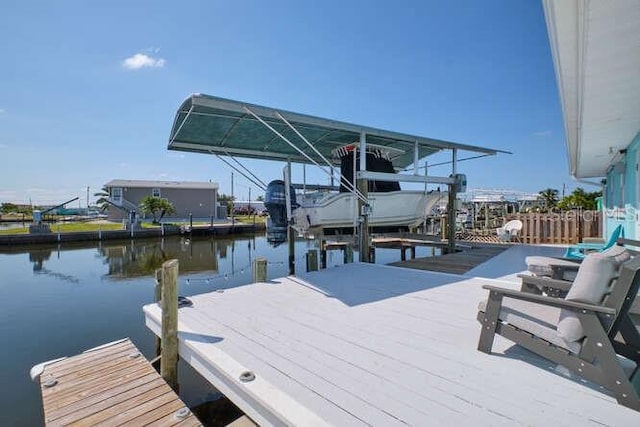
116, 195
156, 192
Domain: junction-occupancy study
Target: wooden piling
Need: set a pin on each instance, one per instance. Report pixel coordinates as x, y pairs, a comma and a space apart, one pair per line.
451, 218
363, 187
312, 260
260, 270
323, 254
158, 297
291, 237
348, 254
169, 303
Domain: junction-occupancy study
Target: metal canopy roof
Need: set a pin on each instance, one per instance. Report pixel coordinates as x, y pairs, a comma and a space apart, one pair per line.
208, 124
596, 53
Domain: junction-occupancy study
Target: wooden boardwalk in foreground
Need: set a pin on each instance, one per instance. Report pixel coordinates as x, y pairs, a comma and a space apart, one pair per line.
110, 385
362, 345
456, 263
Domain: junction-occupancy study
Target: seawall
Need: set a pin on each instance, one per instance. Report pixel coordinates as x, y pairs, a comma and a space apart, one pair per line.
83, 236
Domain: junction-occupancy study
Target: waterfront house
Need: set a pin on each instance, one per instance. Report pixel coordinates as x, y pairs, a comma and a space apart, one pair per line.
198, 199
596, 53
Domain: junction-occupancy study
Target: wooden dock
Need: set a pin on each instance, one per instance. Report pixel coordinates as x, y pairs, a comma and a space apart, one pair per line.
402, 241
456, 263
109, 385
365, 344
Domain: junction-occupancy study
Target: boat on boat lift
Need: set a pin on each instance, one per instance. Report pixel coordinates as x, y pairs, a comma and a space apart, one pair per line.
331, 212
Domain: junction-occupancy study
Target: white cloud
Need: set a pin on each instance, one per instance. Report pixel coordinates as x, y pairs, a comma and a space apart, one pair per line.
142, 60
3, 146
124, 165
2, 110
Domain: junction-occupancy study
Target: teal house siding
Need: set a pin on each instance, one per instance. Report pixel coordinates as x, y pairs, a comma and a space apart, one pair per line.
597, 69
621, 201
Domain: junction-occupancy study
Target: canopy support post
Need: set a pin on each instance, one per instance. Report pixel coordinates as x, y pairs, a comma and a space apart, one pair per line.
363, 208
257, 181
451, 209
291, 232
351, 187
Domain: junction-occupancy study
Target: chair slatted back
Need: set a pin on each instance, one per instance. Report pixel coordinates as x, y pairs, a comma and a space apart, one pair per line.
623, 292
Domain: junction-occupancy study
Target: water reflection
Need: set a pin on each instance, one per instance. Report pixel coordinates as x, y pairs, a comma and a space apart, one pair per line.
39, 256
276, 235
142, 258
139, 258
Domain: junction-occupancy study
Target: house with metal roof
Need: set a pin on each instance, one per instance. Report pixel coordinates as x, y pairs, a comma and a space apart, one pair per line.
596, 53
196, 199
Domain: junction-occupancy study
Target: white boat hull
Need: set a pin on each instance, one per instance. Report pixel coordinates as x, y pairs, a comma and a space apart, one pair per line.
396, 208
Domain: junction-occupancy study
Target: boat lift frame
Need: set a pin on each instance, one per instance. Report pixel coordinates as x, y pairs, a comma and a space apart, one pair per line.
360, 189
232, 134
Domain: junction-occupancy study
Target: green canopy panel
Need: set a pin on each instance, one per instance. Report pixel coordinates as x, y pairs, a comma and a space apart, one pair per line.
208, 124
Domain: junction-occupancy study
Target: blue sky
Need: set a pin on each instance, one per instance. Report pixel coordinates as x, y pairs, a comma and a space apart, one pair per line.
89, 89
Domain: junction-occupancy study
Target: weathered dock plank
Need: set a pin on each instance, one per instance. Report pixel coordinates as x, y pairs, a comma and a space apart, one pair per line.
112, 384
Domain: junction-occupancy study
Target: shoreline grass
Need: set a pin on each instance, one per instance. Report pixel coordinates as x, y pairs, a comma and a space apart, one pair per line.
68, 227
78, 227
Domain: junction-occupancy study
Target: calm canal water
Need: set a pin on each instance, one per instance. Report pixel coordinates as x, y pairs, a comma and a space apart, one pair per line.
61, 300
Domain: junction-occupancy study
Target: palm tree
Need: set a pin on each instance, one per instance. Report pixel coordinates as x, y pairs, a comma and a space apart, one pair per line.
103, 198
156, 205
549, 197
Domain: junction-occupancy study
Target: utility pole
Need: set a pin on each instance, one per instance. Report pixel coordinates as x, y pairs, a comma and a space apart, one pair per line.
87, 197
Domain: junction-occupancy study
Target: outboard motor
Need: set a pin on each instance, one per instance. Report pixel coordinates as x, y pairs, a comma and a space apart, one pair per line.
275, 201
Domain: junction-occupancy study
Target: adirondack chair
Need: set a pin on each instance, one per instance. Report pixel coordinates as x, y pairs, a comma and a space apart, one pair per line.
510, 231
554, 276
573, 333
581, 249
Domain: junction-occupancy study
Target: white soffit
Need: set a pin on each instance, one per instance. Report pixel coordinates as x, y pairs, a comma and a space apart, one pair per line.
596, 53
